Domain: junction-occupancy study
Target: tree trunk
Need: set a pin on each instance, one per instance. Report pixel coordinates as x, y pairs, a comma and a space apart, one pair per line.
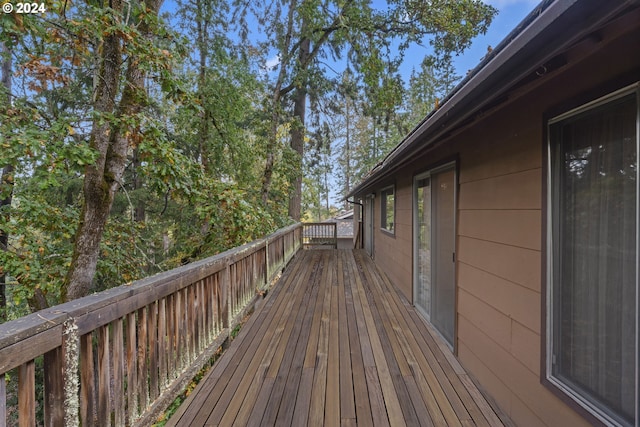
297, 134
271, 147
275, 113
347, 154
111, 142
139, 210
6, 180
6, 185
99, 185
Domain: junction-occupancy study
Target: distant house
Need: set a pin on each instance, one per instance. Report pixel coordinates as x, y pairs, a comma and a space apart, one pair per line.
344, 224
509, 217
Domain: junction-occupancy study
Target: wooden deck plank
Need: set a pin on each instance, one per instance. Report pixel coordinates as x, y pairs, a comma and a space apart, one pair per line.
412, 352
283, 374
398, 366
273, 355
292, 379
303, 400
451, 372
334, 343
445, 395
372, 381
360, 394
392, 402
346, 392
310, 354
237, 385
318, 391
332, 399
207, 393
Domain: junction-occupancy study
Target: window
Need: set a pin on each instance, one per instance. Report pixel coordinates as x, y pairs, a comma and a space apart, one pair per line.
593, 262
388, 206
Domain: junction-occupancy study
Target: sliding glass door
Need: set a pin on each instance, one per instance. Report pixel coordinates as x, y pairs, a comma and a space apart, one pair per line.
434, 247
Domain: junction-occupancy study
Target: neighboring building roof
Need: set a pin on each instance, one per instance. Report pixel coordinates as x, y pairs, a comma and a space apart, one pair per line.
345, 215
532, 49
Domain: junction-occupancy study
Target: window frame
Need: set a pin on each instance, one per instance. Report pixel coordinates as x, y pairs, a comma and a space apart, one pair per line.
568, 392
384, 194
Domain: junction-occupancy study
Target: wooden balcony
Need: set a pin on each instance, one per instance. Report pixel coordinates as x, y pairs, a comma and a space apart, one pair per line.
334, 344
120, 357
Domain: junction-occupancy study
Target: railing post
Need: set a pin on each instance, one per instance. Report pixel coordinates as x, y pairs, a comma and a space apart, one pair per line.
267, 279
226, 289
3, 399
301, 241
70, 374
335, 235
54, 388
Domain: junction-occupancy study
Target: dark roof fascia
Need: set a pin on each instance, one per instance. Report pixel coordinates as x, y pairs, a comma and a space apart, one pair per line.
548, 30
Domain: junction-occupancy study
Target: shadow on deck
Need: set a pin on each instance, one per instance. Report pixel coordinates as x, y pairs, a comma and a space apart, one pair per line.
334, 343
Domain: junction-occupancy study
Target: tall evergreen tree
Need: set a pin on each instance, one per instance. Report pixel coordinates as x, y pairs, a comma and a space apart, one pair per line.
305, 32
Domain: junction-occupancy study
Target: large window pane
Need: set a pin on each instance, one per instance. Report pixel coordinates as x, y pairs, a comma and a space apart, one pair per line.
594, 282
423, 222
388, 209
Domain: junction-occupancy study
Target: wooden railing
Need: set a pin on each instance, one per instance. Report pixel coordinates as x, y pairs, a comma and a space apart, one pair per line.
120, 357
320, 235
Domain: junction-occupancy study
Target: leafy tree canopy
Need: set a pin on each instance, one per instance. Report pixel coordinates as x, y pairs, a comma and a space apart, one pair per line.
132, 142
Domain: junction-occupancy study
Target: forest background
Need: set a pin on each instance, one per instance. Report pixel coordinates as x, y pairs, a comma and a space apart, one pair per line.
137, 136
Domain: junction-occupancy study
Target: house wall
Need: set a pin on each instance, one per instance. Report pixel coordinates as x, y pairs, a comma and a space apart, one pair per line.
501, 239
393, 251
500, 236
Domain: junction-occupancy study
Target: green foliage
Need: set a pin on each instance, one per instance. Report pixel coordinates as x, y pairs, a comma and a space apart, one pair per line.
230, 219
202, 130
39, 249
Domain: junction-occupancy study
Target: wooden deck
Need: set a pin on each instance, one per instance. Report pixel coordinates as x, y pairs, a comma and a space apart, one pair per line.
335, 344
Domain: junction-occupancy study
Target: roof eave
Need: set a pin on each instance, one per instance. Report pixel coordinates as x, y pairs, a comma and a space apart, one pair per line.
516, 57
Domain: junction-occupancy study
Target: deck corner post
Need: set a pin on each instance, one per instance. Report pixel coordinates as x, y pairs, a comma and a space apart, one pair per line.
71, 376
267, 278
228, 291
301, 240
335, 235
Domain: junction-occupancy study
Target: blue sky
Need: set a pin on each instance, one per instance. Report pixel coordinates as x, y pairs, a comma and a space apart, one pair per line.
510, 13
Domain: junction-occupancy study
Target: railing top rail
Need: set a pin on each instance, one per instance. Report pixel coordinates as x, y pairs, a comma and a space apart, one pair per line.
101, 308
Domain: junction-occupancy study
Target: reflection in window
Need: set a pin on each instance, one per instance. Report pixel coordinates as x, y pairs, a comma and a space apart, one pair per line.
594, 263
388, 209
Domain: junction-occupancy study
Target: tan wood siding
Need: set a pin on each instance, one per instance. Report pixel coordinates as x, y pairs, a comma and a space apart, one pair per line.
510, 299
512, 227
394, 252
484, 357
500, 235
